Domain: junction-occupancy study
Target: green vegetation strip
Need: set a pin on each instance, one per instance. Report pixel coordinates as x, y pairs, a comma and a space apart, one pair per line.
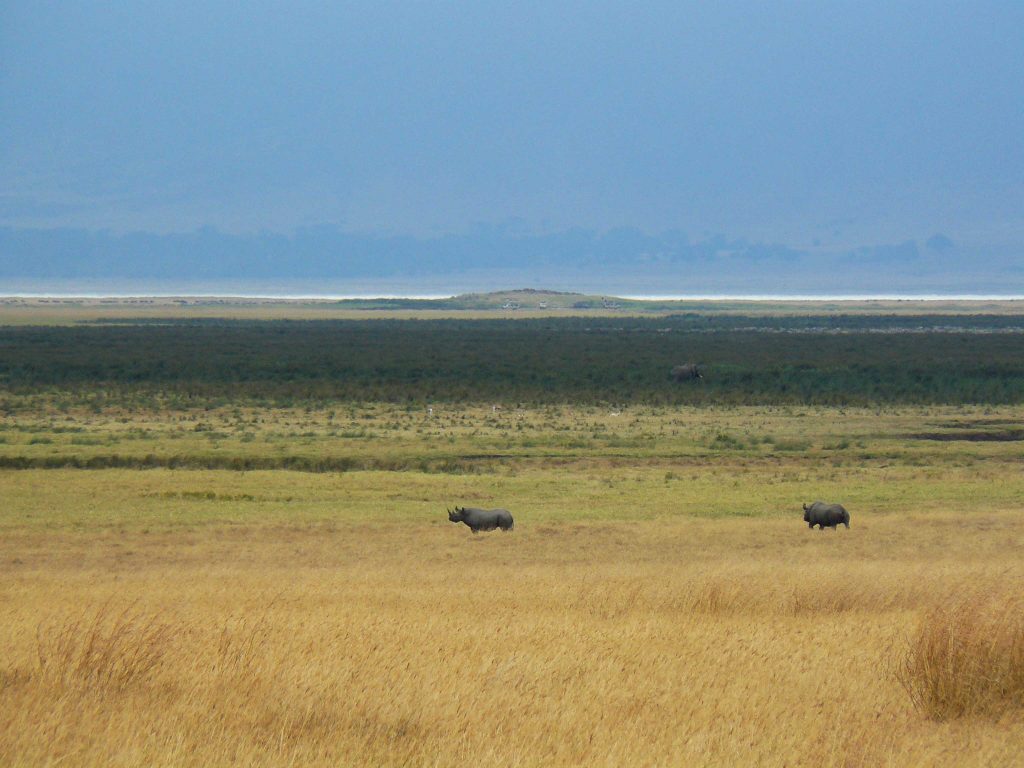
241, 463
828, 361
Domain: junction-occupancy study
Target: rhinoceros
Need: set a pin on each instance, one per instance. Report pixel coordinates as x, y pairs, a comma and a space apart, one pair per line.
686, 372
821, 514
482, 519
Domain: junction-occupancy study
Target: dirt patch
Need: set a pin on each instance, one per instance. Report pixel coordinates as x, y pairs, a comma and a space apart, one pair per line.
976, 423
987, 436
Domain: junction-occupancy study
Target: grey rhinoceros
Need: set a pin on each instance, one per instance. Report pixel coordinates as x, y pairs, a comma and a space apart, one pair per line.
825, 515
686, 372
482, 519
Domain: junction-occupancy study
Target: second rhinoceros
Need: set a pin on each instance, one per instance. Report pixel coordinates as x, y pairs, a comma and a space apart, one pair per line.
482, 519
825, 515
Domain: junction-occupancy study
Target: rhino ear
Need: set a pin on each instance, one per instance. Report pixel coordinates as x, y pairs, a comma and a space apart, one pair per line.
805, 507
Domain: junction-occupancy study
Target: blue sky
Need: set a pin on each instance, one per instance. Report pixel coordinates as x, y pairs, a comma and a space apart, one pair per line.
835, 122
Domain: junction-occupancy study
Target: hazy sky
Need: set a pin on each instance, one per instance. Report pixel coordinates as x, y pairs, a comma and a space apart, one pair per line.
790, 121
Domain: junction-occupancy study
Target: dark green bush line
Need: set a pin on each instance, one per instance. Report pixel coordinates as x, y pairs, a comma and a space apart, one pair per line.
611, 360
247, 463
683, 321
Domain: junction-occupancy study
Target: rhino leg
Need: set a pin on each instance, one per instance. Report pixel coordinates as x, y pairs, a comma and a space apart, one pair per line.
847, 526
811, 526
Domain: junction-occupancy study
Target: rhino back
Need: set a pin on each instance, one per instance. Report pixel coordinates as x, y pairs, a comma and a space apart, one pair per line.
826, 514
480, 518
835, 510
487, 519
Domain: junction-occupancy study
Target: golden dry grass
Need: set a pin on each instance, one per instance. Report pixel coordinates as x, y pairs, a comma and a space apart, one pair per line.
672, 641
659, 603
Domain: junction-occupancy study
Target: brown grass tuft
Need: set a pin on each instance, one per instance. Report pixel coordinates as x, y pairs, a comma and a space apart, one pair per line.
107, 651
967, 656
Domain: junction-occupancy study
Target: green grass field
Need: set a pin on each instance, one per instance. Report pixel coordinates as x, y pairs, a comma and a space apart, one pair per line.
557, 464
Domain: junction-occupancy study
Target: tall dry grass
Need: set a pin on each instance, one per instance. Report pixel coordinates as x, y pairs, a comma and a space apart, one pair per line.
105, 650
967, 655
657, 643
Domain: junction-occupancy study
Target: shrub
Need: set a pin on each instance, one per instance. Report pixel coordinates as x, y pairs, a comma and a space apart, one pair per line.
967, 656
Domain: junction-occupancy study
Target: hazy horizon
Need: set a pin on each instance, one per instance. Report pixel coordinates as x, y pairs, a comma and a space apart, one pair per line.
877, 144
449, 295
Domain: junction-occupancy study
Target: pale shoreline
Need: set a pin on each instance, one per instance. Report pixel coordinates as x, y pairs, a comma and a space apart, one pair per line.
440, 296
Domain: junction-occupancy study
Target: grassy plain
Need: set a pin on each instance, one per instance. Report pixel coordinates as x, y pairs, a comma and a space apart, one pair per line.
660, 602
223, 541
19, 310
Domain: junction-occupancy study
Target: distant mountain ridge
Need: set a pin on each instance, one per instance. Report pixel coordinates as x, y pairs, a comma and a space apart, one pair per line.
620, 260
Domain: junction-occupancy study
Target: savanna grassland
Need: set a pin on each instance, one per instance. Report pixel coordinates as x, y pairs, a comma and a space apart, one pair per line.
256, 568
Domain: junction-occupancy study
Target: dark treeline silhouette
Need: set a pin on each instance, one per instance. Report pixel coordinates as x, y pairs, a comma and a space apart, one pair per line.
328, 259
328, 252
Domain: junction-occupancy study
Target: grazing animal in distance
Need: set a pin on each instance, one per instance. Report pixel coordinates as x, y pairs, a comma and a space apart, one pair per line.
686, 372
821, 514
482, 519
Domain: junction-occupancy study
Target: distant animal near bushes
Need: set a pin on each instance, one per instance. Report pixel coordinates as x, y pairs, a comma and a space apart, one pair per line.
825, 515
482, 519
686, 372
